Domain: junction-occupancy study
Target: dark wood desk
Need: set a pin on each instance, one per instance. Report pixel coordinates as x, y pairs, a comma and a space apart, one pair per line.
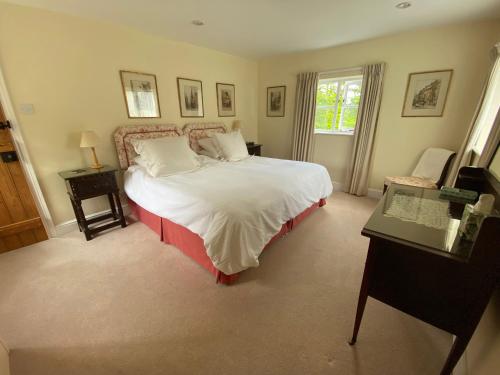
429, 272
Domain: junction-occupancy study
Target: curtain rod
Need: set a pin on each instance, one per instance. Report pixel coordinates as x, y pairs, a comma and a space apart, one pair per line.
341, 70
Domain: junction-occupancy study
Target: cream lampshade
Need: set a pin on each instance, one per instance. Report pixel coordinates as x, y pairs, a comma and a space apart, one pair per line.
90, 139
236, 125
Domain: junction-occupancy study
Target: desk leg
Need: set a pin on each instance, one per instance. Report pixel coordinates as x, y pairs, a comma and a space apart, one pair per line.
112, 205
120, 210
77, 215
363, 293
456, 352
485, 290
81, 217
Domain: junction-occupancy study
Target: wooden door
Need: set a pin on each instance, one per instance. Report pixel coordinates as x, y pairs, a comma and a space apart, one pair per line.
20, 223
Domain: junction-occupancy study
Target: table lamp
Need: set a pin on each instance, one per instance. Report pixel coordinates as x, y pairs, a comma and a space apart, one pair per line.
236, 125
90, 139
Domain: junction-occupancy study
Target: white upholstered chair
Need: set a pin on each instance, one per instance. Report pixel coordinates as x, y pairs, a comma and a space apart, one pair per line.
430, 172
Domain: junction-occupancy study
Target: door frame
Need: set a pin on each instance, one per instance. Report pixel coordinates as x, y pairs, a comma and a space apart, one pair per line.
25, 159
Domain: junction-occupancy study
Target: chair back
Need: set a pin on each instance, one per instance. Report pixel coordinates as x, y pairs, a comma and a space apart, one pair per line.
433, 165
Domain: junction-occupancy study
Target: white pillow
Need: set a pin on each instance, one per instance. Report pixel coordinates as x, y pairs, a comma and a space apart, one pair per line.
211, 148
166, 156
141, 162
232, 145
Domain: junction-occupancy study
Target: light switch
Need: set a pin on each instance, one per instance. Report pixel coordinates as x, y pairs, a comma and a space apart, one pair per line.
27, 108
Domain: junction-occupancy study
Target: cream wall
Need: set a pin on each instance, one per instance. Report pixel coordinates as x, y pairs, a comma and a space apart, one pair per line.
399, 141
67, 67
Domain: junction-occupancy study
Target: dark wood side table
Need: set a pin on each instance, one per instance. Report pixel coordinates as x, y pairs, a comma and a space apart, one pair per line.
254, 148
429, 272
88, 183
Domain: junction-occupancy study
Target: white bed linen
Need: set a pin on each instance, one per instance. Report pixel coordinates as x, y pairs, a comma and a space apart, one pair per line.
235, 207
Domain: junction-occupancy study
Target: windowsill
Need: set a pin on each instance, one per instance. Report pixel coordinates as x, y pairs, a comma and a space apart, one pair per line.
476, 152
326, 132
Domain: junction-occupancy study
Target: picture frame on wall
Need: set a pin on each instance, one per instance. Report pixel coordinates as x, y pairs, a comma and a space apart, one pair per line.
226, 105
190, 97
426, 93
141, 94
276, 97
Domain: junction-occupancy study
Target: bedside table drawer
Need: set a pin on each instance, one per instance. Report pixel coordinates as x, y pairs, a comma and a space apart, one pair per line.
94, 185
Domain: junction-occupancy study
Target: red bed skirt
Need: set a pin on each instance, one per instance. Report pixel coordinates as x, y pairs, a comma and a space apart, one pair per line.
192, 245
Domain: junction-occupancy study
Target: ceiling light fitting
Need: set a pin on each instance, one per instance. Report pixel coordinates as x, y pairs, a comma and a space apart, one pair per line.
403, 5
197, 22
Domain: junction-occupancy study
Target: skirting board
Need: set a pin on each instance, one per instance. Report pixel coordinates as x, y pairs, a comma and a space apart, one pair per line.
372, 193
71, 225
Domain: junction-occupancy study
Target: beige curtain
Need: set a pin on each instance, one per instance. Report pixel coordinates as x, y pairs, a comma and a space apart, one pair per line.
305, 110
464, 155
364, 132
491, 144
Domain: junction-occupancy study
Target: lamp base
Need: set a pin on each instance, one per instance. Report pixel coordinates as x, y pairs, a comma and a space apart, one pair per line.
96, 164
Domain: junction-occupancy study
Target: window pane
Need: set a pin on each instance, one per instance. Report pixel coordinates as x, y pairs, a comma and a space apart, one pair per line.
353, 93
327, 93
337, 103
324, 118
349, 118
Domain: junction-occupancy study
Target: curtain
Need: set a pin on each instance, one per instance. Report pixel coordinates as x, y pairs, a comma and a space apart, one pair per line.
464, 155
305, 110
364, 132
491, 144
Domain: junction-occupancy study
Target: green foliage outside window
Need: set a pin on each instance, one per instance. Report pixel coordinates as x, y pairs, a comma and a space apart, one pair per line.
334, 112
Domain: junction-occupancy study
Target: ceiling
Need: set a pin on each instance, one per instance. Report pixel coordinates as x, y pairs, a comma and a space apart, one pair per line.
260, 28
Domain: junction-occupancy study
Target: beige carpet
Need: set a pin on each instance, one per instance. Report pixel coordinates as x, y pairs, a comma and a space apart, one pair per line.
124, 303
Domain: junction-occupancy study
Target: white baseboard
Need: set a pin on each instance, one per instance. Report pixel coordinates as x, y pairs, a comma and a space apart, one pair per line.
375, 193
337, 186
372, 193
71, 225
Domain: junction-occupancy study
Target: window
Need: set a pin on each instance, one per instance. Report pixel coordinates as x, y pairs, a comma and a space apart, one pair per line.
337, 104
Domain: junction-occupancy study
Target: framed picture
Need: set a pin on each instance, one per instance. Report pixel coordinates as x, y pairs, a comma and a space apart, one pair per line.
225, 100
190, 97
141, 94
426, 93
276, 101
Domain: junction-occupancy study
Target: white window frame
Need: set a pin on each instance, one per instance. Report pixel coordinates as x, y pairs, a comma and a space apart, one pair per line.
339, 81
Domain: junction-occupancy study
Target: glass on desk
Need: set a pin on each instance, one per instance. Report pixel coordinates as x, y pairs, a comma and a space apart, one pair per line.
419, 216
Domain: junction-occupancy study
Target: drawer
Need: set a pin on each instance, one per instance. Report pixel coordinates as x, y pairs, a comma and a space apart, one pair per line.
93, 186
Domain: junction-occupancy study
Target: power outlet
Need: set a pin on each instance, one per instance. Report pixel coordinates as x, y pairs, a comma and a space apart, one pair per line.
27, 108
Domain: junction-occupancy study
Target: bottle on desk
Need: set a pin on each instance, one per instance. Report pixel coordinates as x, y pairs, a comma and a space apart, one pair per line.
474, 215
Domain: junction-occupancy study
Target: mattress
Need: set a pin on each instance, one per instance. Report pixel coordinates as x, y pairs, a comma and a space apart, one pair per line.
235, 207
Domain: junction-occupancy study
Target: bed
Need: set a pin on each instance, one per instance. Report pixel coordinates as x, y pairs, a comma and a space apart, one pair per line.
224, 214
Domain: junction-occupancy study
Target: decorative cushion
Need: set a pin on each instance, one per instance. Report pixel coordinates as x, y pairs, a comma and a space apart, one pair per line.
412, 181
198, 130
232, 145
210, 147
166, 156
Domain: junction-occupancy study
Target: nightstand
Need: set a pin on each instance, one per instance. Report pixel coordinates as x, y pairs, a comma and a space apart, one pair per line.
88, 183
254, 148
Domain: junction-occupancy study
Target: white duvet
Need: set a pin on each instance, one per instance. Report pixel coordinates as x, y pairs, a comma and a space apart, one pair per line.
235, 207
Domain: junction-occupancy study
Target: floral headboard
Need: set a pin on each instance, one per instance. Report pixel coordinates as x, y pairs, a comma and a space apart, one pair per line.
195, 131
125, 134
